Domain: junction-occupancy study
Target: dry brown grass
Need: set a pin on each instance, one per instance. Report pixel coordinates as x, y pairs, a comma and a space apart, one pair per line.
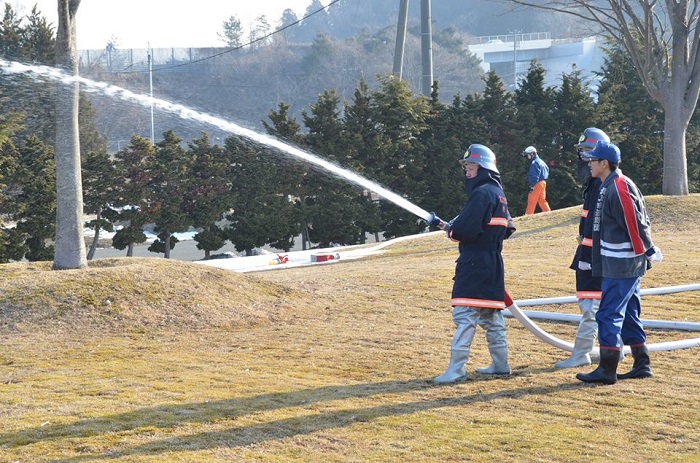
330, 363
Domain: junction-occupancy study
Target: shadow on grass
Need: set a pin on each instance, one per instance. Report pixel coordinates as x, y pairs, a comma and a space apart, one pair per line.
172, 416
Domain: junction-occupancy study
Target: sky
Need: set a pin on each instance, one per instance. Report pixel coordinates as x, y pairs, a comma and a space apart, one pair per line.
160, 23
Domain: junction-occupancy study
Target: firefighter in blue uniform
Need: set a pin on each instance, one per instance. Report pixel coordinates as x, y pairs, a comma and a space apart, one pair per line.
478, 292
622, 252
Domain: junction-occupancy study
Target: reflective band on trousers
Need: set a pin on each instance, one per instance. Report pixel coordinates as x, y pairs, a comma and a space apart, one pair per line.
478, 303
498, 221
589, 294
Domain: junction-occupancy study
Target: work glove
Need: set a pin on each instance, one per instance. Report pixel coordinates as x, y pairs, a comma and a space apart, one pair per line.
510, 228
584, 265
436, 221
654, 254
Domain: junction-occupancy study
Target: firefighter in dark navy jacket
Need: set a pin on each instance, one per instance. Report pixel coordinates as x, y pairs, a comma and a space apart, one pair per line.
622, 252
587, 286
478, 291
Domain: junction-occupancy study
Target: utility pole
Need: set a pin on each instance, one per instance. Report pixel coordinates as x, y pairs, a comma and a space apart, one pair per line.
150, 79
426, 46
400, 39
515, 58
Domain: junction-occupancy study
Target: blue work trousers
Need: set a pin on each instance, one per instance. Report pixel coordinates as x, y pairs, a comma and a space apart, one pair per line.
618, 317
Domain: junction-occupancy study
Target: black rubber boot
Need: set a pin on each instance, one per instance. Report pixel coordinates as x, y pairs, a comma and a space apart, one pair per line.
606, 372
642, 365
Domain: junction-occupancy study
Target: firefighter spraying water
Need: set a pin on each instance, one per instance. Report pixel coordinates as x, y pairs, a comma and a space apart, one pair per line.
478, 293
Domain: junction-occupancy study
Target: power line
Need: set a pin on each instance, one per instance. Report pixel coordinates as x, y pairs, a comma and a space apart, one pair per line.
250, 43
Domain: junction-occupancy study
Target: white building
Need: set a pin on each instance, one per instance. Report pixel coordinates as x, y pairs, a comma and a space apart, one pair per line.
504, 53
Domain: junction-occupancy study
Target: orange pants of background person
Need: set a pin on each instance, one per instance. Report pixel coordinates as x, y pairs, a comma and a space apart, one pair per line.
538, 195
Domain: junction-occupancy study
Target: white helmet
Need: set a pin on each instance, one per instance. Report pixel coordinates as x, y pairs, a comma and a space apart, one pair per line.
528, 150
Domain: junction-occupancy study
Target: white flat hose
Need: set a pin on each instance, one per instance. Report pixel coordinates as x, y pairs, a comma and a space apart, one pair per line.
567, 346
644, 292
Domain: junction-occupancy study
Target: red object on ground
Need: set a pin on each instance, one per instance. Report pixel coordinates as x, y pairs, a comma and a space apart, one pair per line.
323, 257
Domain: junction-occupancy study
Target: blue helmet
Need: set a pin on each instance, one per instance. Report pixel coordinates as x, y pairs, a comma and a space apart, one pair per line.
482, 155
587, 141
606, 150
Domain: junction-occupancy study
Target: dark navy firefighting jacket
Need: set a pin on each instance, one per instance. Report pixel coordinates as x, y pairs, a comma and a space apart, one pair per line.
587, 286
480, 230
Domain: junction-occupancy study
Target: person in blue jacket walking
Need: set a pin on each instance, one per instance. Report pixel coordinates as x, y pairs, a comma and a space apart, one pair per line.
478, 291
537, 178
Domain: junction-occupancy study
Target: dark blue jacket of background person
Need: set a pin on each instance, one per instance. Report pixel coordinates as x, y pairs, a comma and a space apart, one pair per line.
480, 230
587, 286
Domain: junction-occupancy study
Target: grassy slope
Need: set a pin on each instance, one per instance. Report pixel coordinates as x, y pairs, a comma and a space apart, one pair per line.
154, 360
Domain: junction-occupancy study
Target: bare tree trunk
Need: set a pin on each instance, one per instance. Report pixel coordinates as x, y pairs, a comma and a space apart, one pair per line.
96, 237
166, 253
130, 250
675, 176
69, 245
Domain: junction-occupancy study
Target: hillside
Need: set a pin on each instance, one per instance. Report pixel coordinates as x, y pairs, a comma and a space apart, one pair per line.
155, 360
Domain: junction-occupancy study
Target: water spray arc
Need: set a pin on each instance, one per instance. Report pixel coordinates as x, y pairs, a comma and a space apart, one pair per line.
190, 114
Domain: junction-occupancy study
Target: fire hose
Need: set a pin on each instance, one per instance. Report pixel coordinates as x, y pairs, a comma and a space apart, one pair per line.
518, 314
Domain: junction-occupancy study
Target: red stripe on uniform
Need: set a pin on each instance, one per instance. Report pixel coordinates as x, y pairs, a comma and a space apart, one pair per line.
630, 214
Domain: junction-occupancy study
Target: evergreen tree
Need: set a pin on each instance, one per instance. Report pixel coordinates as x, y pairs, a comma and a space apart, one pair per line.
533, 125
574, 112
171, 176
98, 175
11, 34
12, 242
232, 33
293, 174
34, 43
209, 194
498, 114
38, 39
633, 121
451, 130
362, 136
134, 170
329, 222
261, 214
314, 22
401, 119
34, 200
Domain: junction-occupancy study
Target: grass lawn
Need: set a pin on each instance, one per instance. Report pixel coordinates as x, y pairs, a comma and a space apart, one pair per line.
152, 360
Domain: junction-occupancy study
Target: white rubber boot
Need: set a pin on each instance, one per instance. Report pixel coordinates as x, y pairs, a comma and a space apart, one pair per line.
499, 364
461, 344
580, 356
456, 371
585, 336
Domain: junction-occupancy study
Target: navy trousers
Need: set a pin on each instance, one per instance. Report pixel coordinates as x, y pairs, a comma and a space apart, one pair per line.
618, 317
